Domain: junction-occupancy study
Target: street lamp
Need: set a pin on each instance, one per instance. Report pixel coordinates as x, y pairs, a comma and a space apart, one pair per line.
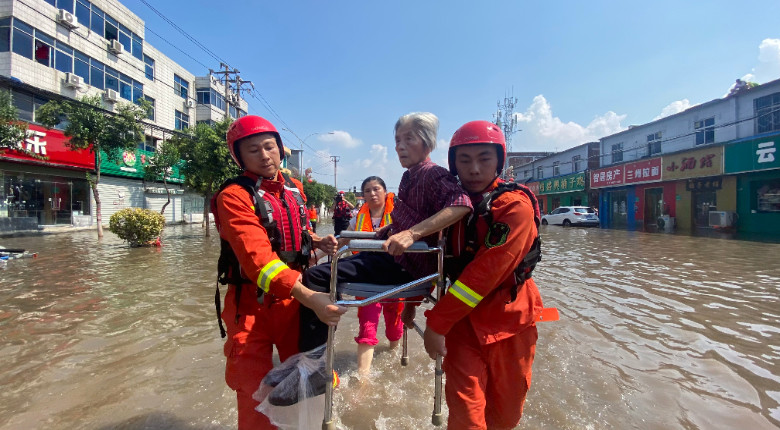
303, 141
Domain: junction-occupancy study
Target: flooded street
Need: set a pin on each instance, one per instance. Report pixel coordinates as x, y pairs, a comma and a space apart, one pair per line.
656, 332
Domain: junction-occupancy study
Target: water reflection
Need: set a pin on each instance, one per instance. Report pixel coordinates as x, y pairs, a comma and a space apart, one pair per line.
656, 332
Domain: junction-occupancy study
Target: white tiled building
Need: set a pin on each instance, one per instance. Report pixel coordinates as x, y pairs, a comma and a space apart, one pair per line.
52, 49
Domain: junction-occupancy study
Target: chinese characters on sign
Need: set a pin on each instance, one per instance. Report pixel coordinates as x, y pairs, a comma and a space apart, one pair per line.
49, 147
707, 184
643, 171
766, 152
34, 143
606, 177
692, 164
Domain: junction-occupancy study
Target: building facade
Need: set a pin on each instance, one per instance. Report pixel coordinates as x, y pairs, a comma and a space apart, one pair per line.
709, 169
65, 49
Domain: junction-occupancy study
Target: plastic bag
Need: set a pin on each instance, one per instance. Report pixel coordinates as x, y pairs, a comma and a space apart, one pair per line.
292, 394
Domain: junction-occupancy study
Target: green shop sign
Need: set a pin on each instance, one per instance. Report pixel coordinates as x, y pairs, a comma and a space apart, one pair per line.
131, 165
563, 184
751, 155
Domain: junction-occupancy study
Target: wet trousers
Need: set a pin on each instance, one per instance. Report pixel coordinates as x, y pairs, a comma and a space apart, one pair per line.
249, 350
486, 385
368, 316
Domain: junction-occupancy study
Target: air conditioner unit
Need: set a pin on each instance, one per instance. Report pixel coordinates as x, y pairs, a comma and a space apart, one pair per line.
234, 98
116, 47
67, 19
722, 219
110, 96
189, 104
73, 80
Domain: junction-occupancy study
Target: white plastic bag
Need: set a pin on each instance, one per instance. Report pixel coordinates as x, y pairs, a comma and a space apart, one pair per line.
292, 394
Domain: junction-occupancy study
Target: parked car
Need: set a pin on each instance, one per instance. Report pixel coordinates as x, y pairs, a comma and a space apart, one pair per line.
572, 215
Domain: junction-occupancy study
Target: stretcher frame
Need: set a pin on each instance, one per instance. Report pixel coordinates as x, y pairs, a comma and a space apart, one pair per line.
365, 242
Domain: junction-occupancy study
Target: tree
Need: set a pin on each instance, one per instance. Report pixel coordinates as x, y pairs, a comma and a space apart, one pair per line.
91, 127
317, 193
207, 161
161, 165
12, 131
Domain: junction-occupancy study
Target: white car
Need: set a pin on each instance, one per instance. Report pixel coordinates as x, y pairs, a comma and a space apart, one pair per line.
572, 215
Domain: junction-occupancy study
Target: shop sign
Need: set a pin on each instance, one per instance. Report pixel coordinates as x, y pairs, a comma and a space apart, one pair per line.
643, 171
756, 154
131, 164
161, 190
563, 184
693, 164
608, 177
706, 184
48, 147
534, 187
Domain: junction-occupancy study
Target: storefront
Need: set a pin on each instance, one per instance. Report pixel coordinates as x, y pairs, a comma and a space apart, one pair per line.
44, 182
566, 190
756, 162
700, 186
122, 186
632, 196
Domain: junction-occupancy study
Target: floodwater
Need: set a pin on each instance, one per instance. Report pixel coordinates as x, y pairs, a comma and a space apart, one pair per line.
656, 332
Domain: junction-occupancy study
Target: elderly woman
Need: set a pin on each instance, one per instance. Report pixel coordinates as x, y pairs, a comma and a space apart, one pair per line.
429, 200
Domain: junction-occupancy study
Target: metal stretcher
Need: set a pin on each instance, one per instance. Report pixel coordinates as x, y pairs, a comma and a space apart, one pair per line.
373, 293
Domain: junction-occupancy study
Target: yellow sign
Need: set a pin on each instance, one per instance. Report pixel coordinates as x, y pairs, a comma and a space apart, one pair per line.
693, 164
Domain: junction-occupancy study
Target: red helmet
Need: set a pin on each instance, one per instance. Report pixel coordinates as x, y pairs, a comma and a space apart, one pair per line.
247, 126
478, 132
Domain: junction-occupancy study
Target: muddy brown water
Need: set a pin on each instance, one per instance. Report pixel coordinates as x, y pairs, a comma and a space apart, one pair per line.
656, 332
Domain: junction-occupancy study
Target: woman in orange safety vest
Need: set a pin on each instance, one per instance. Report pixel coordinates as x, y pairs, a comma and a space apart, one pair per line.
374, 215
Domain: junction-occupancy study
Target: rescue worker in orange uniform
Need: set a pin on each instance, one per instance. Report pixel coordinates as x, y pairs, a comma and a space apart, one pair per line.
261, 218
484, 326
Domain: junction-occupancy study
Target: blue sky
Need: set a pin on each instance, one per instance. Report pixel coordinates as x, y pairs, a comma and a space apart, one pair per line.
579, 70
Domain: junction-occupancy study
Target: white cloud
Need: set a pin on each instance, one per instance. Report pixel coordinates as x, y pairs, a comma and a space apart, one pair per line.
673, 108
541, 131
340, 138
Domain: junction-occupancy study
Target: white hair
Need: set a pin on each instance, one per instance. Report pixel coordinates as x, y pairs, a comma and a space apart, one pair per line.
425, 124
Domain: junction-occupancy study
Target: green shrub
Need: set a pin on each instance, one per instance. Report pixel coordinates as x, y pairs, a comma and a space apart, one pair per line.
137, 226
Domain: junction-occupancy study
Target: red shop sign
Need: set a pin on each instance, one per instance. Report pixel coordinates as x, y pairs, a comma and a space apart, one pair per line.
606, 177
643, 171
50, 146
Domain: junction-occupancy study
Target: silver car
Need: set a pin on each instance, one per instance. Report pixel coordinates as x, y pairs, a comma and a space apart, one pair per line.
572, 215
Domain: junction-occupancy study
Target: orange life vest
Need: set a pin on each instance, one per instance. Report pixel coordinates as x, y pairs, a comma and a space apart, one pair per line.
363, 222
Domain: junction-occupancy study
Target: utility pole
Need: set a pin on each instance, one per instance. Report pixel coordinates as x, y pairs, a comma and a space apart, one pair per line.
335, 159
226, 81
239, 83
505, 119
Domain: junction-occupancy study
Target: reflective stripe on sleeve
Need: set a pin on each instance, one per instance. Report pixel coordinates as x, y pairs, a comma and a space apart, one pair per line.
268, 273
465, 294
388, 220
359, 223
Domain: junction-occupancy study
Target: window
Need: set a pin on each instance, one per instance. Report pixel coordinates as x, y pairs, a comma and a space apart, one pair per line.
138, 47
654, 143
112, 79
63, 58
83, 13
556, 168
526, 173
149, 144
98, 20
705, 131
767, 110
151, 111
149, 67
617, 152
767, 195
125, 38
44, 49
23, 39
23, 102
112, 29
125, 87
182, 121
204, 96
138, 91
65, 4
5, 34
180, 86
97, 74
539, 172
81, 65
576, 163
